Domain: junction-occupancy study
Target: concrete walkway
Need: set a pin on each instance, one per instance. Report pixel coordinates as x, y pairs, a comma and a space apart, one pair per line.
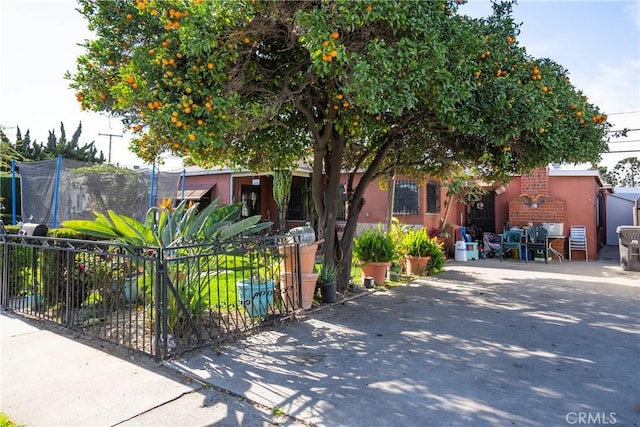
487, 343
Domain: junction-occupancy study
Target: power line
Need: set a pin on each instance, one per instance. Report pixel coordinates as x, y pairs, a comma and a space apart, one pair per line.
622, 151
623, 142
620, 130
623, 112
110, 135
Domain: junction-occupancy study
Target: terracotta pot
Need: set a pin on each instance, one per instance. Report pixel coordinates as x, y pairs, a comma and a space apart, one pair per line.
377, 270
417, 265
289, 260
291, 292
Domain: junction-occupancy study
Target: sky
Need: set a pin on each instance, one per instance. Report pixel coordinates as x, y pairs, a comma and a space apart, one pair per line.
597, 41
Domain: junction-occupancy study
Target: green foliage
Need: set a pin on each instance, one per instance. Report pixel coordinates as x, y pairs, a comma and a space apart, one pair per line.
397, 233
281, 193
416, 242
414, 87
626, 173
19, 269
374, 245
171, 228
437, 261
12, 229
57, 146
389, 60
6, 422
327, 273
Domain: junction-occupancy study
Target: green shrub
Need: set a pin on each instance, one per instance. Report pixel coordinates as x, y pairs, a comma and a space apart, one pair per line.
416, 242
374, 245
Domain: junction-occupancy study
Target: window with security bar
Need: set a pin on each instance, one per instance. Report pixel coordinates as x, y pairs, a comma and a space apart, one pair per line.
405, 201
433, 197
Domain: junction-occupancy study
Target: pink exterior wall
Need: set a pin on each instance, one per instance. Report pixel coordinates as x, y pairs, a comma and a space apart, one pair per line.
571, 200
512, 191
376, 205
580, 193
221, 182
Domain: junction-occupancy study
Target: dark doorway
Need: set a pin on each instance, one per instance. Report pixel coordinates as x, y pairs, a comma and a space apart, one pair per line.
250, 196
482, 214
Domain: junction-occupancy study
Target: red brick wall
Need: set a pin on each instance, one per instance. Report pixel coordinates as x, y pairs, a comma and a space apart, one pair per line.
537, 182
520, 214
550, 209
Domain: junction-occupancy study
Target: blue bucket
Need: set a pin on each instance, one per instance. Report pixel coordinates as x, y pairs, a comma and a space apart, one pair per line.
256, 297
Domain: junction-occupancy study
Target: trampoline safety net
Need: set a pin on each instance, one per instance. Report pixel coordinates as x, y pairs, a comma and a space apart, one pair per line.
57, 190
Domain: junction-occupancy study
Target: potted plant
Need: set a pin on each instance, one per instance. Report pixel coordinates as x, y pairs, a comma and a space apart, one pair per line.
395, 269
419, 249
327, 280
375, 249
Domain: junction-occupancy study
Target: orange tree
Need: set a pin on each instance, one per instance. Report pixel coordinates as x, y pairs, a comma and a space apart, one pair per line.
369, 87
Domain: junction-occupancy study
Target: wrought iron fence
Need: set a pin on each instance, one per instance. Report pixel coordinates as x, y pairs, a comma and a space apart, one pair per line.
153, 300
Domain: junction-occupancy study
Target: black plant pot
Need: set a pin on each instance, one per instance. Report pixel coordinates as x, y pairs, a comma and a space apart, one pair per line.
328, 291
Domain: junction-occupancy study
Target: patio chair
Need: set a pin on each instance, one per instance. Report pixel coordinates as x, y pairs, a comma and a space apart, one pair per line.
537, 240
510, 240
578, 240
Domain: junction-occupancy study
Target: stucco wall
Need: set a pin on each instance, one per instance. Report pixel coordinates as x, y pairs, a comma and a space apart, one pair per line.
376, 201
576, 196
220, 181
580, 194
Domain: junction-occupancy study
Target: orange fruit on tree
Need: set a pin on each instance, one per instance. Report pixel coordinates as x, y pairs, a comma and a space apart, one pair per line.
333, 53
335, 35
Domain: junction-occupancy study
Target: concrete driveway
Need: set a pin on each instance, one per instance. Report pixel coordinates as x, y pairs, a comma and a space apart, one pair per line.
486, 343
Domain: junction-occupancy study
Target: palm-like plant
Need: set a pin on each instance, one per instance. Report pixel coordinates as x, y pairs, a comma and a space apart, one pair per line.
181, 232
164, 227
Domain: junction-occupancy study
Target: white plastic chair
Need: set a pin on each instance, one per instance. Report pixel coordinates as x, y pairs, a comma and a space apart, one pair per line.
578, 240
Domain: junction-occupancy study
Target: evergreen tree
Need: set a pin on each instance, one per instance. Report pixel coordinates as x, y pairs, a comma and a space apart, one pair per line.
626, 173
54, 147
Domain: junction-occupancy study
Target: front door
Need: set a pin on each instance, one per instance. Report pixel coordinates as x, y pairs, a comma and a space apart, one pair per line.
250, 196
482, 214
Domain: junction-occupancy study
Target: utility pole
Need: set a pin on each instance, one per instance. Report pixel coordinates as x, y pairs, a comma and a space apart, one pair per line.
110, 135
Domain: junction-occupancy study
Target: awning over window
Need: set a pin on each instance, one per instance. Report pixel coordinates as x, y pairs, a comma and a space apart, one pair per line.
194, 191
